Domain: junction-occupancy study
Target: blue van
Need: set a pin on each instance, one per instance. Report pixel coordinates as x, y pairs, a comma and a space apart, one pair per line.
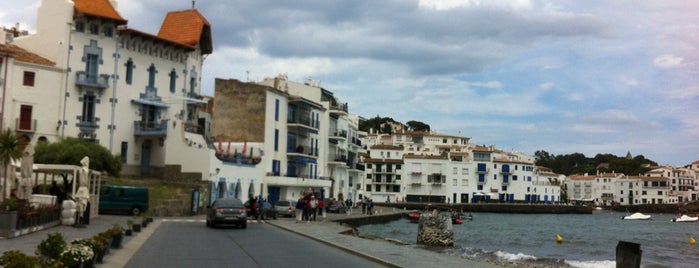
123, 199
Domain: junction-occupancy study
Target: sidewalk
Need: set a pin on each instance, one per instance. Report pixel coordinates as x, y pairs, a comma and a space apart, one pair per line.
326, 231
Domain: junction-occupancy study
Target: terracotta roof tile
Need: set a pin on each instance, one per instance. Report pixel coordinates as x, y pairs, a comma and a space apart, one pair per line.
97, 8
20, 54
188, 27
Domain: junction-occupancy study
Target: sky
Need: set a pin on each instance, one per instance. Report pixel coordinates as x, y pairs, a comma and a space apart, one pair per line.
561, 76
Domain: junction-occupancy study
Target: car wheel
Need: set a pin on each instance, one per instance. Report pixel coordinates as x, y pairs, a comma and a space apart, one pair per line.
244, 225
135, 211
208, 223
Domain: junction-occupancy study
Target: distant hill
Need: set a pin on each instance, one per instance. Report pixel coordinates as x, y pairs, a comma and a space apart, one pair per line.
577, 163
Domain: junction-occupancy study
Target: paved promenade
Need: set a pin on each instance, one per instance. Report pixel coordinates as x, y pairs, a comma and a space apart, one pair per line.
324, 230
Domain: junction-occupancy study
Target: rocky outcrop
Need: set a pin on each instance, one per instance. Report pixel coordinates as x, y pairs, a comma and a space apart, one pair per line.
435, 229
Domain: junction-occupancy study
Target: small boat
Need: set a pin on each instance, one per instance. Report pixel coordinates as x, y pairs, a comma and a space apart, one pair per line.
468, 217
685, 218
636, 216
456, 221
414, 216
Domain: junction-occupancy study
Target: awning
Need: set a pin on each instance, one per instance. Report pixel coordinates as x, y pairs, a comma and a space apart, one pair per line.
151, 103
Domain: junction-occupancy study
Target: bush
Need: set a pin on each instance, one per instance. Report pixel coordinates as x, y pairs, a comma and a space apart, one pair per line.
17, 259
52, 246
75, 254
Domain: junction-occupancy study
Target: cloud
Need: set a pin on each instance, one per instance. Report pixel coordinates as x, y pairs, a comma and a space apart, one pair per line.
683, 93
667, 61
612, 121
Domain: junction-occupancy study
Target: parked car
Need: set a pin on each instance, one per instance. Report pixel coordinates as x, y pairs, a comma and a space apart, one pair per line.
267, 212
123, 199
285, 208
227, 211
336, 207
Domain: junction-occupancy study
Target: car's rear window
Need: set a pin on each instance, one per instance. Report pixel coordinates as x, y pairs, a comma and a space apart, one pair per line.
229, 203
282, 203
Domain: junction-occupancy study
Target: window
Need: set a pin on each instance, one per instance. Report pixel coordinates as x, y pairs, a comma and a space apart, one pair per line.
151, 76
28, 79
173, 80
455, 170
276, 140
91, 67
25, 117
129, 71
88, 115
94, 28
124, 151
108, 31
276, 110
79, 26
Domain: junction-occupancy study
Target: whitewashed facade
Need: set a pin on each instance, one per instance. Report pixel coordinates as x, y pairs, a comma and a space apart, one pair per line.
135, 93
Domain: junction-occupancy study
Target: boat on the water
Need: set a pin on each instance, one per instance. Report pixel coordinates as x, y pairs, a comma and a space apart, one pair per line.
636, 216
685, 218
414, 216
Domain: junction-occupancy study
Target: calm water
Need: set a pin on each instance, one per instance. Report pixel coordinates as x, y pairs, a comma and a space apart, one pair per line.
588, 240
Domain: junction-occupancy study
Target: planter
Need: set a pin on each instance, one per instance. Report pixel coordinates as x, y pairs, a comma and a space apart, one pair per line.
116, 241
128, 232
144, 223
8, 221
136, 227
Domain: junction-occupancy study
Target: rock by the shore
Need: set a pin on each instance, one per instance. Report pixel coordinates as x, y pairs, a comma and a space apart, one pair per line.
435, 229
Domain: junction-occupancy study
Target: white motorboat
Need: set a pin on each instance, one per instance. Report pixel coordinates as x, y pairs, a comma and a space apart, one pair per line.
636, 216
685, 218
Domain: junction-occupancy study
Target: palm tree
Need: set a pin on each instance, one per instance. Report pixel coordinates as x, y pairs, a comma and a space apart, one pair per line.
9, 150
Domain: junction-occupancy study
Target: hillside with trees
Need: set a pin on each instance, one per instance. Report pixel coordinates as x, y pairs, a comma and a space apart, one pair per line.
578, 163
383, 125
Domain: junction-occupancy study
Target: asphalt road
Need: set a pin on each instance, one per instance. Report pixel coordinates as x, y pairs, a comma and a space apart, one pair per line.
192, 244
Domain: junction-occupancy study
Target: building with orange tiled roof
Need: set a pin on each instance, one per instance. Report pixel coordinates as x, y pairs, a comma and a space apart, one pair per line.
137, 94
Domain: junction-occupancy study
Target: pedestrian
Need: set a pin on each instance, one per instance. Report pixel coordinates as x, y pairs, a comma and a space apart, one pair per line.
364, 207
314, 207
299, 209
321, 207
307, 209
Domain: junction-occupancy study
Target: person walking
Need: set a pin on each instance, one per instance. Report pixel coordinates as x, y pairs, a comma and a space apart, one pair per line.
314, 207
299, 209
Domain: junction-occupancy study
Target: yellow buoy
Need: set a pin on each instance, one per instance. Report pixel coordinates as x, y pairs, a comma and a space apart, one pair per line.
559, 239
691, 240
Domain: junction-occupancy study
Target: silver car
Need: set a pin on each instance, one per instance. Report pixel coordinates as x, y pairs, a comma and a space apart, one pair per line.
285, 208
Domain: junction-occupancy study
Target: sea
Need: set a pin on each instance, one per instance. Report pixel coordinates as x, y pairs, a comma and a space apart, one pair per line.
589, 240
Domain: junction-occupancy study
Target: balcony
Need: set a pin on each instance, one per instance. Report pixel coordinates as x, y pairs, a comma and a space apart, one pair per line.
25, 125
337, 159
150, 128
436, 178
303, 122
336, 134
100, 81
483, 170
505, 170
302, 150
338, 108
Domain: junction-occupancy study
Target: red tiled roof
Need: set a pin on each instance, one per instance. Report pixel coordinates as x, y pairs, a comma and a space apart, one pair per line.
187, 27
20, 54
386, 147
415, 156
97, 8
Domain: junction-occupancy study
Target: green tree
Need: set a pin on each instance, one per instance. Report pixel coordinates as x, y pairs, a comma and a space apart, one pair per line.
417, 126
70, 151
9, 150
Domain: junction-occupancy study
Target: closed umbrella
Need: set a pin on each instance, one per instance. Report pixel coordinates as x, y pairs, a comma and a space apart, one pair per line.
238, 189
251, 190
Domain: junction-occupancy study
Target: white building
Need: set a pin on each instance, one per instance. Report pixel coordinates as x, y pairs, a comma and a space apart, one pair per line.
135, 93
307, 139
617, 188
416, 166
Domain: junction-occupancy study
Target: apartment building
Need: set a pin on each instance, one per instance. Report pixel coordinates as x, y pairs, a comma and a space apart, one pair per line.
416, 166
305, 139
617, 188
135, 93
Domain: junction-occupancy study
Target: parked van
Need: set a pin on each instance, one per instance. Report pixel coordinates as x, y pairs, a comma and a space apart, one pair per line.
123, 199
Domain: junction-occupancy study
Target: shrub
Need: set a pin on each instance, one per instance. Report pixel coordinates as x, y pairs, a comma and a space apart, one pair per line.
17, 259
52, 246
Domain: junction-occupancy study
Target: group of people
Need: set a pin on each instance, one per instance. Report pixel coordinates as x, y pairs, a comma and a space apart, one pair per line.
367, 206
308, 207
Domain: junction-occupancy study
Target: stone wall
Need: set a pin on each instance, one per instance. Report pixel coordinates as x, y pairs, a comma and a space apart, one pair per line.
240, 111
435, 229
